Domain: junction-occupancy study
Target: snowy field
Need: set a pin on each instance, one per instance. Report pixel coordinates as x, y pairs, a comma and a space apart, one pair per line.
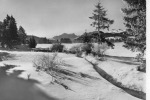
117, 51
67, 45
82, 88
120, 51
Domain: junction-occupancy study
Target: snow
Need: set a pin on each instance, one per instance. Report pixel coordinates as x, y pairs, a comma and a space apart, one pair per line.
83, 88
67, 45
127, 74
23, 60
120, 51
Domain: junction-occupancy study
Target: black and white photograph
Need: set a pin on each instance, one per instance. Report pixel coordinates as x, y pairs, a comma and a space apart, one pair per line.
73, 49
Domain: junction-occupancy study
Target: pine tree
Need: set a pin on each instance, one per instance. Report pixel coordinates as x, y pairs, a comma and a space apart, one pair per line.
32, 42
86, 38
13, 30
1, 30
22, 34
9, 34
100, 20
135, 21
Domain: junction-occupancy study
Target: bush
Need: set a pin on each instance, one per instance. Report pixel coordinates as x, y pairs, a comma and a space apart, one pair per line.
142, 67
87, 48
57, 47
139, 57
78, 49
75, 49
100, 49
48, 63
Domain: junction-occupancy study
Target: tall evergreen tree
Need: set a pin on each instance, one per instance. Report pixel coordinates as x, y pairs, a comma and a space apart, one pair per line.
135, 21
100, 19
5, 31
22, 34
1, 30
10, 36
32, 42
13, 29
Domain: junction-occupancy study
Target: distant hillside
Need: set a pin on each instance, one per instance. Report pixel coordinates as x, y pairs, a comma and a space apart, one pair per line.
65, 35
119, 34
39, 39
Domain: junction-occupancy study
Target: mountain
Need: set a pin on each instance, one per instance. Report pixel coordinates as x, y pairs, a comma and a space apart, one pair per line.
65, 35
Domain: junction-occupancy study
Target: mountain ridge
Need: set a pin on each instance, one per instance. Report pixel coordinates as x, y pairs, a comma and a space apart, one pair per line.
65, 35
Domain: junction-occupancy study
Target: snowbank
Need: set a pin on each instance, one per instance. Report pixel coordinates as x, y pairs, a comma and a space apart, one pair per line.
122, 72
83, 88
120, 51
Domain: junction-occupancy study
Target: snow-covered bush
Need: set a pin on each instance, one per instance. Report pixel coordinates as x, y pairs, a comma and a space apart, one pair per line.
87, 48
48, 63
79, 49
139, 57
65, 50
3, 55
142, 66
100, 49
75, 49
58, 47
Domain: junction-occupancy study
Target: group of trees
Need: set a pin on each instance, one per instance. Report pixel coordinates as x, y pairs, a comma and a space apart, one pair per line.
65, 40
135, 22
10, 35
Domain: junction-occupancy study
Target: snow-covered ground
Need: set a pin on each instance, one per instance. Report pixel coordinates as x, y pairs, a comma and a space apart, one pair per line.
96, 88
124, 72
120, 51
67, 45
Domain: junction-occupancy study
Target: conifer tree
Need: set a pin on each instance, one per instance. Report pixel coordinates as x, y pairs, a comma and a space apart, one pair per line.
32, 42
22, 34
100, 22
86, 38
10, 36
1, 30
135, 21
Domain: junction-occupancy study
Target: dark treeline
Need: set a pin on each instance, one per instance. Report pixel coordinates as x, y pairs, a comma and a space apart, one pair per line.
11, 36
9, 32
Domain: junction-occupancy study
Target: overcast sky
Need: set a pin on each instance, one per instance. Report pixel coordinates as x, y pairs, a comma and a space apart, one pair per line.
48, 18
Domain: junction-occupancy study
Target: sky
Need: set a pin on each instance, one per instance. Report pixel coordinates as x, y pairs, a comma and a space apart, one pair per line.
48, 18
